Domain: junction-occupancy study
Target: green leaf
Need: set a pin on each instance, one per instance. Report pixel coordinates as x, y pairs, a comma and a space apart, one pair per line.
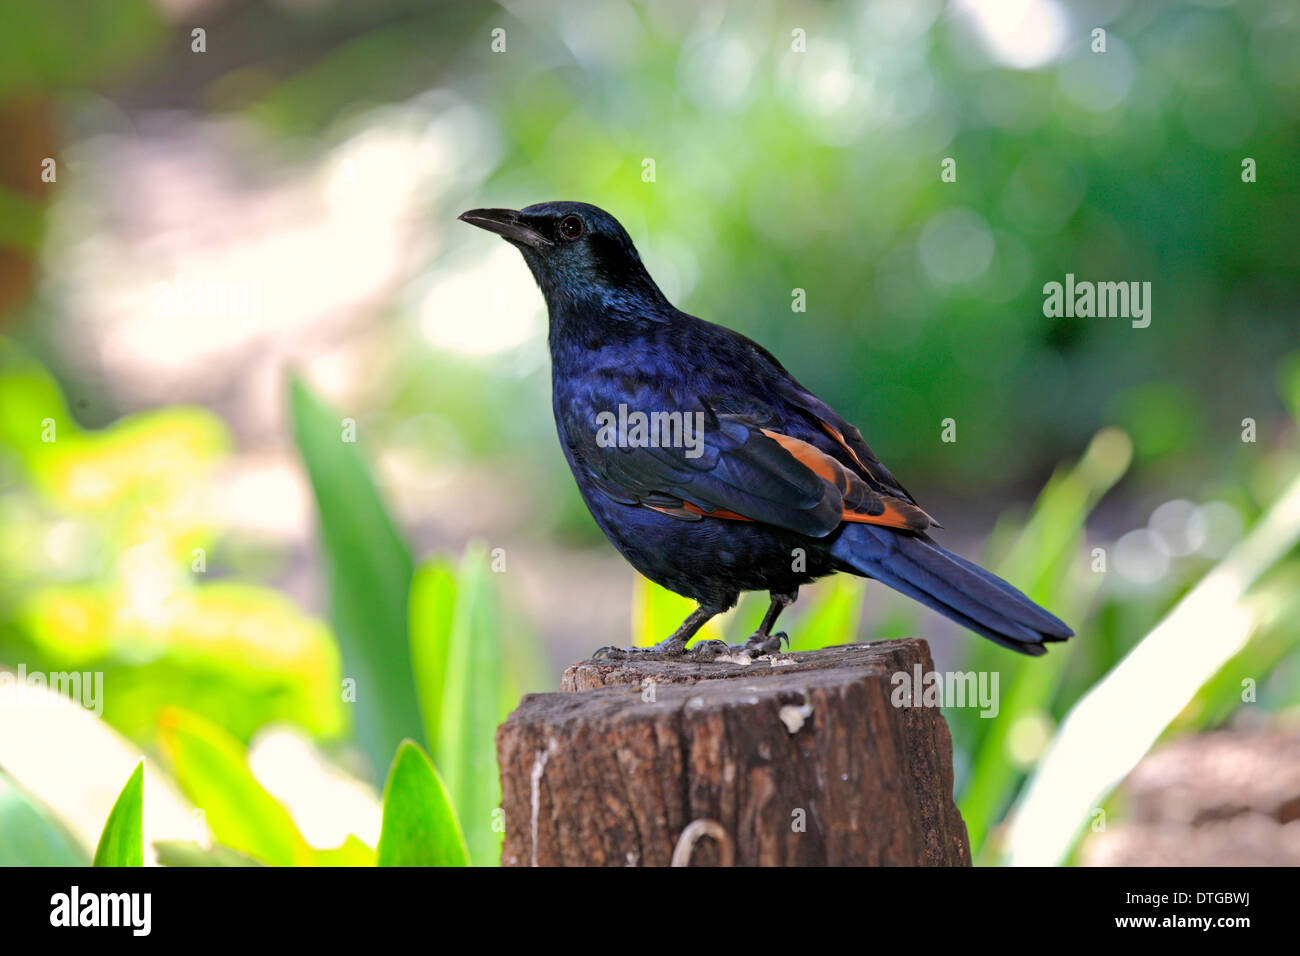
433, 604
419, 827
475, 699
28, 835
471, 664
209, 765
122, 842
370, 572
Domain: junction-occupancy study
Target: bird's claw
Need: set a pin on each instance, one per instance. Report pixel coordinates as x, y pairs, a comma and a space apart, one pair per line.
760, 644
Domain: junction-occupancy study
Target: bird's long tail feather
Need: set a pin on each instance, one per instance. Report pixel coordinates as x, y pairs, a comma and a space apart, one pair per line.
951, 585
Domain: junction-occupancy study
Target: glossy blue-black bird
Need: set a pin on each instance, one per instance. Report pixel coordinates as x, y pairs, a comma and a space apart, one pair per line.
733, 477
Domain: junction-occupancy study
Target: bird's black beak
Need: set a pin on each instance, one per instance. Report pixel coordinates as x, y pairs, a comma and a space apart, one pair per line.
507, 223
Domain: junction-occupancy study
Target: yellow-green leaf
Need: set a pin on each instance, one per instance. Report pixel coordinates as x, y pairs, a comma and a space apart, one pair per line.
209, 765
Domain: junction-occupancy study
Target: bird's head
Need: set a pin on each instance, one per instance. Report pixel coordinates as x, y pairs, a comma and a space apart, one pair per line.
576, 251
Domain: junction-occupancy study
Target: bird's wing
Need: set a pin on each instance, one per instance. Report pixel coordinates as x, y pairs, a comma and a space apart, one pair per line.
743, 471
820, 416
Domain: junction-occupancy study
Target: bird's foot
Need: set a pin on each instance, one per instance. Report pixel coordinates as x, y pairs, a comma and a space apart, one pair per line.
755, 647
760, 644
705, 651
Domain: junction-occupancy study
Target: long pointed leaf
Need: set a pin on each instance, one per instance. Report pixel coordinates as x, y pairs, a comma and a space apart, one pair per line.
419, 827
122, 842
473, 704
433, 605
370, 571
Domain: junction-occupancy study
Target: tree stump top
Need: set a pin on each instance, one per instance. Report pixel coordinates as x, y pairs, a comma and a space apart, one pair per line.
876, 656
768, 763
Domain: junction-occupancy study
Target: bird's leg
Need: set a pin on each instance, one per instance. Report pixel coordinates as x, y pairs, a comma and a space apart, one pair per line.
671, 648
763, 641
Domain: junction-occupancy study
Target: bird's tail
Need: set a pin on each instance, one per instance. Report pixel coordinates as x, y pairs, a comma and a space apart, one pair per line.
951, 585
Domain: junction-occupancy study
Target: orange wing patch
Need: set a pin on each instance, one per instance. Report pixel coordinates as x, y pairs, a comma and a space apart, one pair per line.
862, 504
897, 514
840, 440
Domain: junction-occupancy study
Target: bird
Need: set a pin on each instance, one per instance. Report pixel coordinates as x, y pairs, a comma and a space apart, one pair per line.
710, 468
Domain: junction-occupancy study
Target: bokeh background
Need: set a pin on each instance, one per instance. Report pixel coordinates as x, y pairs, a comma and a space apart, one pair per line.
273, 423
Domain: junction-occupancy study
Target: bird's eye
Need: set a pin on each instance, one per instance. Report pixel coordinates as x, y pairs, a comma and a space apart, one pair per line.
571, 228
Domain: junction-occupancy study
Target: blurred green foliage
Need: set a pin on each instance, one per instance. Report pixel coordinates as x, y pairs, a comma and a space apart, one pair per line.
64, 45
102, 564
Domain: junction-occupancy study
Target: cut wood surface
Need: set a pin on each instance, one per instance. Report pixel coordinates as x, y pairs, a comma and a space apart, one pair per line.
800, 759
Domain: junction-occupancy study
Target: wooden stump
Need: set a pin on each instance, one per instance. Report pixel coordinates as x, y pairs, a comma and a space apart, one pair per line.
793, 761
